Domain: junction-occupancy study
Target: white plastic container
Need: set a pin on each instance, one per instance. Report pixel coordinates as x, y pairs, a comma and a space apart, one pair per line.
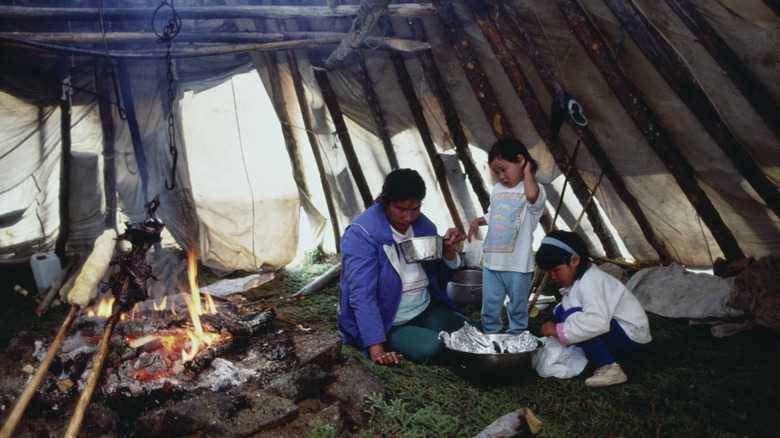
45, 267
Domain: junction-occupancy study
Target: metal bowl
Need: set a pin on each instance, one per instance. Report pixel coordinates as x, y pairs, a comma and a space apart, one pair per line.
465, 288
494, 368
421, 249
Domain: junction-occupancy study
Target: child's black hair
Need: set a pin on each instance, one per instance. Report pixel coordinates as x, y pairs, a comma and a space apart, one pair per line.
509, 149
402, 185
549, 256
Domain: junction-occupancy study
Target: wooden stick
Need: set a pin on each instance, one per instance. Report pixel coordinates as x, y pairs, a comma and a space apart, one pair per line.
92, 379
72, 266
21, 404
539, 288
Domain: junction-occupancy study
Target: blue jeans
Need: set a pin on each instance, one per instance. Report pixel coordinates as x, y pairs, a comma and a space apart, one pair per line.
418, 340
496, 285
599, 350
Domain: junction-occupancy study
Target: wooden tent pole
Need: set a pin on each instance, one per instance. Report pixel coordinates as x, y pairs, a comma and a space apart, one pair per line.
65, 162
315, 147
109, 135
538, 118
555, 90
331, 101
436, 83
372, 99
367, 18
750, 86
649, 125
469, 61
280, 107
668, 63
425, 134
209, 12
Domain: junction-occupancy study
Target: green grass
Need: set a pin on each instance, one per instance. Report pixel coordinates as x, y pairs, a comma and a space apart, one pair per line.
686, 383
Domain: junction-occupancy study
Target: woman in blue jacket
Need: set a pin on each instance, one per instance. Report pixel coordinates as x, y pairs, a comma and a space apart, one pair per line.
388, 308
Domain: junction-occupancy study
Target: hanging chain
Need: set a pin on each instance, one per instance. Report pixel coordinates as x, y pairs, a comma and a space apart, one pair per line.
171, 29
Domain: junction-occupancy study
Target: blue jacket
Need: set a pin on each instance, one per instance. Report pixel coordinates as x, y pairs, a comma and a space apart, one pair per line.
370, 284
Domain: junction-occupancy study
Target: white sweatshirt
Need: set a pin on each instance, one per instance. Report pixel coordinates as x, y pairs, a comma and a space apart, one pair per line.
602, 298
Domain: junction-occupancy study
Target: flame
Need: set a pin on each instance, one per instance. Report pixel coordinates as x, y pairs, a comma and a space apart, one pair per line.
198, 339
191, 341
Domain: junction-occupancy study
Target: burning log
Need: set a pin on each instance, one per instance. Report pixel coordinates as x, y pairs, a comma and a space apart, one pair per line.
237, 328
129, 287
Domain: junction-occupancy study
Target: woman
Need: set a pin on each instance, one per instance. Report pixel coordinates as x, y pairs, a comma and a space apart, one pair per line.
388, 308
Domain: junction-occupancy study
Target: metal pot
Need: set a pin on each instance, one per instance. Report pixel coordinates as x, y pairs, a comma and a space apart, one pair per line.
422, 249
495, 368
465, 288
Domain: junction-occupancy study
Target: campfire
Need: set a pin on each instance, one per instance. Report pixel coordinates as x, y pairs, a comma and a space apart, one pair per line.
181, 362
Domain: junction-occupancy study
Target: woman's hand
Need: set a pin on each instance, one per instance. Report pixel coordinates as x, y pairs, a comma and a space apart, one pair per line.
450, 240
378, 355
549, 329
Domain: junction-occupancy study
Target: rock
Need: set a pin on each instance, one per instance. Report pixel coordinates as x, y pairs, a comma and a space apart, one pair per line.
354, 380
321, 348
301, 383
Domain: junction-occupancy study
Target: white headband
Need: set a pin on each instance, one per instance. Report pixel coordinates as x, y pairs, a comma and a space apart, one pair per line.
547, 240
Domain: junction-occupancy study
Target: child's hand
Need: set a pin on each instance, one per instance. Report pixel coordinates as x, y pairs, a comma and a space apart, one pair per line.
549, 329
474, 228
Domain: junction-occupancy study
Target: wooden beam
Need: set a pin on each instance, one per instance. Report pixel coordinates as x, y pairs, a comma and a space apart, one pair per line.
65, 161
558, 95
376, 109
315, 146
109, 136
534, 109
750, 86
17, 13
245, 37
666, 61
649, 125
438, 87
331, 101
475, 74
425, 134
367, 18
185, 50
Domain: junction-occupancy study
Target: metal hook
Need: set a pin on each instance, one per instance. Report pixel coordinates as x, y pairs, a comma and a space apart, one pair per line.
175, 154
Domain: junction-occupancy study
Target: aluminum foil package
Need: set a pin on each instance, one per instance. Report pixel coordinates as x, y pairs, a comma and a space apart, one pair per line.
469, 339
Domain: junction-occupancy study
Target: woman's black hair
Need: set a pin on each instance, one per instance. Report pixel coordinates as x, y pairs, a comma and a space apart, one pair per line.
549, 256
509, 149
402, 185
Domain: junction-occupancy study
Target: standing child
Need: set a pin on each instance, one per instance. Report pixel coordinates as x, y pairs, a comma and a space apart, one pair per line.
516, 204
597, 311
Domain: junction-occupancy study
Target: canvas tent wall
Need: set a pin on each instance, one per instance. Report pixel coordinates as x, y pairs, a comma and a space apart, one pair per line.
671, 190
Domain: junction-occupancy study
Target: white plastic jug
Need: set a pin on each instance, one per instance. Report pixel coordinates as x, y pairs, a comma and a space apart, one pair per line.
45, 267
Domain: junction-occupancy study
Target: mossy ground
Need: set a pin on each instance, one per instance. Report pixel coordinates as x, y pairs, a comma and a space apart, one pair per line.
686, 383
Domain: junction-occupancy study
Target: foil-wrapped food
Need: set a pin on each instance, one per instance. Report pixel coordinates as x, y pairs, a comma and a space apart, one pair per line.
471, 340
